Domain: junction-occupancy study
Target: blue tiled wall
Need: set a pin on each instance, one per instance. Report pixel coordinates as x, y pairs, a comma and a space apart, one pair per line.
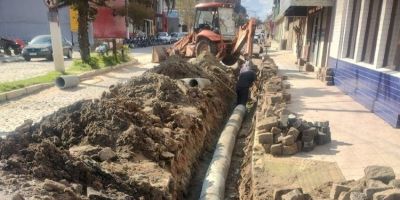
377, 91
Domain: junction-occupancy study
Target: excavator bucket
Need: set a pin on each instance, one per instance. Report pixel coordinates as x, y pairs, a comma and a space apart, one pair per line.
159, 54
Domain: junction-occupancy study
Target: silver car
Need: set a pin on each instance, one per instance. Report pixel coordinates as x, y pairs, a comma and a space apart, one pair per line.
40, 47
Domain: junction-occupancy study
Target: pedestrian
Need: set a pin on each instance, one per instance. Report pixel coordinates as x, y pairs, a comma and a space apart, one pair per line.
247, 76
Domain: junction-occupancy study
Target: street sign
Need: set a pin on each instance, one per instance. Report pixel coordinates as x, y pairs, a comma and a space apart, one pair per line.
73, 20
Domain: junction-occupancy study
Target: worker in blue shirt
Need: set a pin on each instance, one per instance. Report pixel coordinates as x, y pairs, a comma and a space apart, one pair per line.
247, 76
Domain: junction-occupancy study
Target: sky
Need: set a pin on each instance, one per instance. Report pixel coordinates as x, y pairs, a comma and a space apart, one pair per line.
258, 8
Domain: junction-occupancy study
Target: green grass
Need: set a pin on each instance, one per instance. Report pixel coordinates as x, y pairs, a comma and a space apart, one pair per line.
77, 67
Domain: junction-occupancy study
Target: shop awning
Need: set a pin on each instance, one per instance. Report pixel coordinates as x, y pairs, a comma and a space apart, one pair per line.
300, 7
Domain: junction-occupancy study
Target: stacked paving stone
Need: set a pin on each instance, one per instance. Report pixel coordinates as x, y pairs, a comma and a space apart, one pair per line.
279, 131
379, 183
326, 74
290, 194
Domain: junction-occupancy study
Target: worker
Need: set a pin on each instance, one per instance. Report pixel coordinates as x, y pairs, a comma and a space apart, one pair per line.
247, 76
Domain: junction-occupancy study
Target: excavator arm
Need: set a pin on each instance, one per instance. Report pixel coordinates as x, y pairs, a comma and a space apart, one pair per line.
245, 35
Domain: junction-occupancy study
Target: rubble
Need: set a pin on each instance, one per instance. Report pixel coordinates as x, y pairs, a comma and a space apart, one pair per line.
368, 187
395, 183
139, 140
294, 195
337, 189
380, 173
279, 193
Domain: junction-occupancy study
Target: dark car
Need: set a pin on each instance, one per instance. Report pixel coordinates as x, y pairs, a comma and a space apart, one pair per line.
8, 44
40, 47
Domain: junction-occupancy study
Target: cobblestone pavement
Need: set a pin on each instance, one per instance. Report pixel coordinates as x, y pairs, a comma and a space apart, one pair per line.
13, 113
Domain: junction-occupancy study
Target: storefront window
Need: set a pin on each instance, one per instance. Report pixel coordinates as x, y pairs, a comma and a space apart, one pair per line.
392, 53
371, 34
355, 17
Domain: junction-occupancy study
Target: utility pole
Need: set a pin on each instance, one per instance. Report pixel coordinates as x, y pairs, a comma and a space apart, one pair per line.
56, 40
127, 18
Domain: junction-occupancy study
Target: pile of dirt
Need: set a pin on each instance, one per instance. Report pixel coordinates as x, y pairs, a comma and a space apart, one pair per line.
140, 140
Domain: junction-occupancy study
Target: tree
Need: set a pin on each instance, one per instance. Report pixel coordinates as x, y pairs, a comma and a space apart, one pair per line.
299, 31
240, 15
87, 10
187, 12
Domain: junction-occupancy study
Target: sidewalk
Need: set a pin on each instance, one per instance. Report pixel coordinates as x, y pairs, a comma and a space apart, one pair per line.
13, 113
359, 137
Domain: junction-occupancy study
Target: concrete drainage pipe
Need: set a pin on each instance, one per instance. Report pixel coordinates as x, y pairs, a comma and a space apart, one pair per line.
196, 82
214, 182
68, 81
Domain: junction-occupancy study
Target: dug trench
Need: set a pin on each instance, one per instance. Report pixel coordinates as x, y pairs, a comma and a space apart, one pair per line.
142, 139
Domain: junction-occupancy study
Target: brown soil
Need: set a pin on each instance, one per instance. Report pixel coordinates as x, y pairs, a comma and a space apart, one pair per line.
156, 126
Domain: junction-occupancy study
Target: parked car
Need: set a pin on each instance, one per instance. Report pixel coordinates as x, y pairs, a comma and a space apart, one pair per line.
8, 44
175, 36
40, 47
164, 37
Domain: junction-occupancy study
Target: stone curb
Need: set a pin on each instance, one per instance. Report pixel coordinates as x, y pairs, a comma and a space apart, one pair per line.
5, 96
14, 94
106, 70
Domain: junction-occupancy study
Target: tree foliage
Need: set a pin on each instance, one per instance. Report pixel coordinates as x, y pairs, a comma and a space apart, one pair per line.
137, 11
87, 10
186, 11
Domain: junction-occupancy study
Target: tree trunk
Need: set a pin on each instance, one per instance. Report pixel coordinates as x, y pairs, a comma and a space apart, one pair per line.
83, 36
114, 49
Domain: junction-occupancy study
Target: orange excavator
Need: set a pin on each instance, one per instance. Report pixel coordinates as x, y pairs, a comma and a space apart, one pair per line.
214, 32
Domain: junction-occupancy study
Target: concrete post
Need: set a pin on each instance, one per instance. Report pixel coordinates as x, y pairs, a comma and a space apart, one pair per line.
56, 40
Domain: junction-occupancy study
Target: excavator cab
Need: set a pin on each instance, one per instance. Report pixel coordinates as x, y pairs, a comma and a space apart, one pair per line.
206, 19
214, 27
216, 17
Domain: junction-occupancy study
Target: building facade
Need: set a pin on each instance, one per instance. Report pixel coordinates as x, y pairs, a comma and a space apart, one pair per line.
304, 25
365, 54
27, 19
359, 40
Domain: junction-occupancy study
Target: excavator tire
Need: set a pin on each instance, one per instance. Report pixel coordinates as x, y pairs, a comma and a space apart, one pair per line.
205, 45
230, 59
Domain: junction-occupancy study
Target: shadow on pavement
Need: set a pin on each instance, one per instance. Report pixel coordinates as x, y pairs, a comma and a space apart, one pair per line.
327, 149
336, 110
93, 85
312, 92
